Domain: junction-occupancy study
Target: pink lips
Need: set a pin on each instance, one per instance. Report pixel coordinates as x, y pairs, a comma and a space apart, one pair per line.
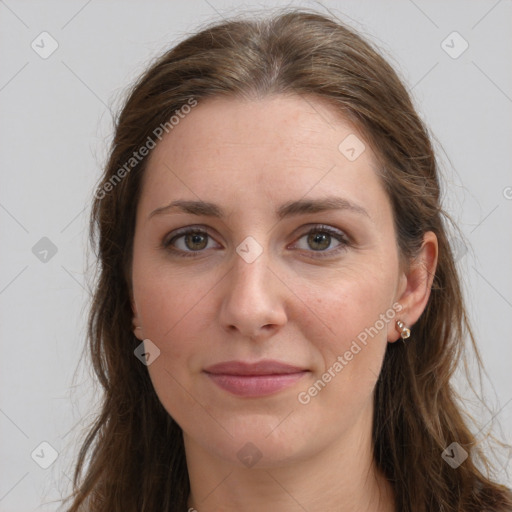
254, 379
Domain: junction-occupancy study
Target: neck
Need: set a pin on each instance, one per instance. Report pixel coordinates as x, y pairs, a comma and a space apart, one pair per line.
342, 477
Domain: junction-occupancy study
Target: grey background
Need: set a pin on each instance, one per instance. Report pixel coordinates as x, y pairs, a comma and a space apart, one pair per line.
55, 127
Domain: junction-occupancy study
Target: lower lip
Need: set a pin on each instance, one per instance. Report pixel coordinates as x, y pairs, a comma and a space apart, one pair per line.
255, 385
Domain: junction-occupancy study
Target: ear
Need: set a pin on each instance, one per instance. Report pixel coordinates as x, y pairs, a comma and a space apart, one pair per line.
136, 321
416, 285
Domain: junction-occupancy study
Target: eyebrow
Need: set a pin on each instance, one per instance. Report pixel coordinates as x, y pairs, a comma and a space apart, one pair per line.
289, 209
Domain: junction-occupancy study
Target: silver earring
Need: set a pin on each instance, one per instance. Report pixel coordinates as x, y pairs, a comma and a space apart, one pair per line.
405, 332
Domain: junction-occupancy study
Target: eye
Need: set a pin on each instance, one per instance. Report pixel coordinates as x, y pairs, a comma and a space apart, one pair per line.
189, 240
322, 239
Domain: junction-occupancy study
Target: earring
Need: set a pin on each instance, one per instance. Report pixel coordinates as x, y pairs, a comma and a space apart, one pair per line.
404, 331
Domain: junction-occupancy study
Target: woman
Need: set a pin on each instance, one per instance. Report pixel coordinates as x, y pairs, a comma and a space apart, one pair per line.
278, 313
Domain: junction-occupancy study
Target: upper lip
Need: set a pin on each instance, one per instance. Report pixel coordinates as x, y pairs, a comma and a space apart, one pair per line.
265, 367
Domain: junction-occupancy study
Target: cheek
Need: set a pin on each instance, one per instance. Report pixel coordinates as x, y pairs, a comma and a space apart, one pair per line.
175, 312
167, 298
172, 310
344, 309
348, 325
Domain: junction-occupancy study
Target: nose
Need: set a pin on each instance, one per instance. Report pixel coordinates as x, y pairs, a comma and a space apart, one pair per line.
253, 302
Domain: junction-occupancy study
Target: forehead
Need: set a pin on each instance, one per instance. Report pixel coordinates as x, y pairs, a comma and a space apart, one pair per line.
273, 147
292, 126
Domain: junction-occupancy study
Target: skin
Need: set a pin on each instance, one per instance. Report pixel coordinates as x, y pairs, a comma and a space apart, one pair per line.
290, 304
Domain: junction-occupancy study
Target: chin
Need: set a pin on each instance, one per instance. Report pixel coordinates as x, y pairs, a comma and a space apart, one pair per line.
261, 442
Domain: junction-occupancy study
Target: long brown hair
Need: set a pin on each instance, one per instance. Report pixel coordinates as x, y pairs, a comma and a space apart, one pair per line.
133, 457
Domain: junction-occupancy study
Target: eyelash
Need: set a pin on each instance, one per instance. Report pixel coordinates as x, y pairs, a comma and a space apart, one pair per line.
337, 235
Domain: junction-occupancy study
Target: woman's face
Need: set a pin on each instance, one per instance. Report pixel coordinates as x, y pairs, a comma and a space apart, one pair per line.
279, 258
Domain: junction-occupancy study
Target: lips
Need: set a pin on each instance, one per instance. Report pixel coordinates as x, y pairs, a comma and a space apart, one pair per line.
254, 379
266, 367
